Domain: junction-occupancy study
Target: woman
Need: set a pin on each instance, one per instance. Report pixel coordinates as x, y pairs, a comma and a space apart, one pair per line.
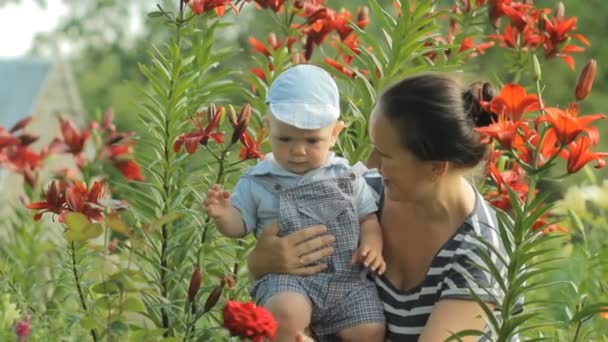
425, 145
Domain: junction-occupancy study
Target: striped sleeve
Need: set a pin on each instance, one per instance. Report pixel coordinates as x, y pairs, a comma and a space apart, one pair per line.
468, 271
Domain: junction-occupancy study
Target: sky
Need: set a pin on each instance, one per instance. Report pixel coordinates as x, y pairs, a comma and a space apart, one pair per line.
19, 23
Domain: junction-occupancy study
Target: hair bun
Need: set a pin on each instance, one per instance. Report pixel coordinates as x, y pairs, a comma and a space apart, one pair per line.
472, 97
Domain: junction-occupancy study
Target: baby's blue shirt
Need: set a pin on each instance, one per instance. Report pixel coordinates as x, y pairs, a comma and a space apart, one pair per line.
259, 207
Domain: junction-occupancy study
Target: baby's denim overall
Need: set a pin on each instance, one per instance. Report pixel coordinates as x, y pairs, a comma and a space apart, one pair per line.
341, 296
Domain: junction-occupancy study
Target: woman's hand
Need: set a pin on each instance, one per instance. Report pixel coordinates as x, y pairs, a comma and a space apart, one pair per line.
292, 254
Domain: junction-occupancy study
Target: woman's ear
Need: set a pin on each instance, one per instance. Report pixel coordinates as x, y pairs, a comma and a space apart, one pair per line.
438, 169
338, 127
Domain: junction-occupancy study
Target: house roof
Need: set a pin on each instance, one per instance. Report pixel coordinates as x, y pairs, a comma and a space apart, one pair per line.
21, 81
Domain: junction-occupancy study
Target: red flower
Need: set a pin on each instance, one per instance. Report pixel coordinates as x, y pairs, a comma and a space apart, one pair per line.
192, 140
247, 320
20, 158
200, 6
566, 124
261, 48
22, 329
72, 141
341, 68
546, 226
121, 156
503, 131
259, 73
7, 139
467, 44
513, 102
275, 5
578, 155
251, 149
54, 201
129, 169
84, 201
557, 32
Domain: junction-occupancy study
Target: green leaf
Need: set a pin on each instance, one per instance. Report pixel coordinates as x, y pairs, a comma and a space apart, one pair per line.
79, 228
155, 14
156, 224
88, 322
458, 336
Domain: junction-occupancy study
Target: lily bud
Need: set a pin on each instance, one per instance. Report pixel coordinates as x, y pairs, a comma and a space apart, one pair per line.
195, 284
21, 124
213, 298
559, 12
585, 80
27, 139
210, 112
232, 116
242, 123
363, 17
229, 281
272, 40
537, 69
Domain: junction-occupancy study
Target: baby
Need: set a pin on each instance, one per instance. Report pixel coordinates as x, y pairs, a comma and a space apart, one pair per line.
300, 184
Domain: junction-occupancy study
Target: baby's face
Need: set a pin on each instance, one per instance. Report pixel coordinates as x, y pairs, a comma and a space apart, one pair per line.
301, 150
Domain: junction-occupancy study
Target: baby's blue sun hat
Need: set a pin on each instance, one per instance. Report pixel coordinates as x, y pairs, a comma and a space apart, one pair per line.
304, 96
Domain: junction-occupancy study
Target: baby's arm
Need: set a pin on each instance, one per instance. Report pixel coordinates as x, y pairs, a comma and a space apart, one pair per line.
227, 218
370, 242
370, 246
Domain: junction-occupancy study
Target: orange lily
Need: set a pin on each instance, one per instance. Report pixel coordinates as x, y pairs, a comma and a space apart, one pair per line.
567, 125
578, 155
512, 102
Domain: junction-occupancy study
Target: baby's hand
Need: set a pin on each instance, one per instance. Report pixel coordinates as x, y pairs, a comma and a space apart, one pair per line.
217, 202
371, 257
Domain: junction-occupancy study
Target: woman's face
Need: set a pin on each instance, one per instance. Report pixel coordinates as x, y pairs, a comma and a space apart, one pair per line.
406, 178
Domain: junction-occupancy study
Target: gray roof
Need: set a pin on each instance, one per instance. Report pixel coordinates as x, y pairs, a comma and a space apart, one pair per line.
21, 81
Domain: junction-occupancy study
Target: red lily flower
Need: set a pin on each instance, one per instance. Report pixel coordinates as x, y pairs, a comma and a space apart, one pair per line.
275, 5
259, 73
508, 38
512, 102
503, 131
54, 201
566, 124
130, 170
20, 158
7, 139
71, 141
200, 6
468, 44
251, 148
547, 227
84, 201
121, 157
557, 31
192, 140
519, 14
496, 10
535, 149
578, 155
513, 179
341, 68
260, 47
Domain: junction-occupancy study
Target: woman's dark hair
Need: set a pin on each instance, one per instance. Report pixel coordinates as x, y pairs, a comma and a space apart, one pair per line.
437, 117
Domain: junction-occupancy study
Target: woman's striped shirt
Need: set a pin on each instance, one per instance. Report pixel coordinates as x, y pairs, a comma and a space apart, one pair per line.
452, 275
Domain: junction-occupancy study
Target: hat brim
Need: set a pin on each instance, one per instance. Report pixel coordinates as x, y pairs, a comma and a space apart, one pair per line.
305, 116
